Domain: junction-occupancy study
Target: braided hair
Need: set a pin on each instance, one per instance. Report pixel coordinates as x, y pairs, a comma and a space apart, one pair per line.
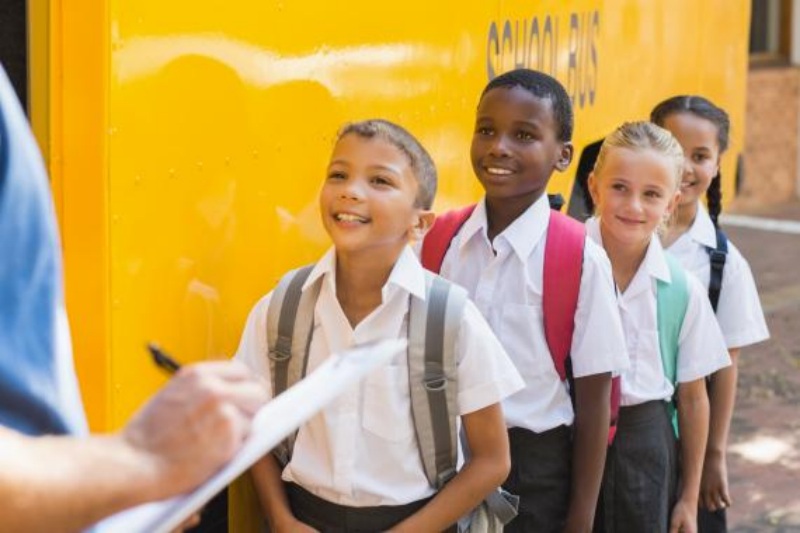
705, 109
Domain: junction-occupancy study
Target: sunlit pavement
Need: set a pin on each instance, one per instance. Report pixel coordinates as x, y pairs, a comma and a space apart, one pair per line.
764, 459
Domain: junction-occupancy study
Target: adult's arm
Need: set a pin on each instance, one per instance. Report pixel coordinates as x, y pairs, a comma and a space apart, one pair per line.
175, 442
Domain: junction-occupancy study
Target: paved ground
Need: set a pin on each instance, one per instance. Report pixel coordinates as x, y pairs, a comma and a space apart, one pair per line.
764, 460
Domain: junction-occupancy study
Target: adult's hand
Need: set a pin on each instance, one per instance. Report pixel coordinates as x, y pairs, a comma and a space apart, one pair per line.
194, 425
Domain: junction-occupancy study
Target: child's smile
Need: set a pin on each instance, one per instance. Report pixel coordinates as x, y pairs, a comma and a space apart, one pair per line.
635, 190
350, 219
515, 146
698, 138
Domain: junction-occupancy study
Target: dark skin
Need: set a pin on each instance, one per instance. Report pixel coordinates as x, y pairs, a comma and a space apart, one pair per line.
590, 443
515, 150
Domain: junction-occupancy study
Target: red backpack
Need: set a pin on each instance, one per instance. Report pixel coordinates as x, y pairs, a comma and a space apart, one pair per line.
563, 263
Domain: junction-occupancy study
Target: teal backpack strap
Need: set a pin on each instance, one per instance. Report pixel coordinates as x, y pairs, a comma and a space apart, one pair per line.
672, 301
433, 329
290, 323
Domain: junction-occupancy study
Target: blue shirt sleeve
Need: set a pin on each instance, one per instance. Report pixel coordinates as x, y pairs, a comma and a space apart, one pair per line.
38, 388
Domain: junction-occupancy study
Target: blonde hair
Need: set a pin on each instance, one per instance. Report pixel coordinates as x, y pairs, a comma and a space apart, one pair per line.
644, 136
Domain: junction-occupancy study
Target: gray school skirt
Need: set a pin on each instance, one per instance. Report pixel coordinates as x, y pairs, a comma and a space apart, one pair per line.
641, 474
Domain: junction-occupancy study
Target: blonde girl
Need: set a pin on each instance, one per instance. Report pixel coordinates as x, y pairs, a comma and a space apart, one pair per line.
635, 187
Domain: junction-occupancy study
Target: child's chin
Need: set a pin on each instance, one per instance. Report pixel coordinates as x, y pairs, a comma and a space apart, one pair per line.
346, 245
632, 236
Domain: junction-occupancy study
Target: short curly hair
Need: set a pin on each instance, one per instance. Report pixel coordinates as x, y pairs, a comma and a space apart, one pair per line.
541, 86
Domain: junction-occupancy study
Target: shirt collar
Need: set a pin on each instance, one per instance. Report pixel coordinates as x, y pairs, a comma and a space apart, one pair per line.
407, 274
654, 263
523, 234
476, 224
702, 229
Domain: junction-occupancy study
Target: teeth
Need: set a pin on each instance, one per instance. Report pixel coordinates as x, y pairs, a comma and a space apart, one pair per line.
498, 171
347, 217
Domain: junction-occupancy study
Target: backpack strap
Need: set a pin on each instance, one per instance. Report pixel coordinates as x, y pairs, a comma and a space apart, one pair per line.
556, 201
290, 323
441, 234
433, 329
717, 257
563, 265
672, 300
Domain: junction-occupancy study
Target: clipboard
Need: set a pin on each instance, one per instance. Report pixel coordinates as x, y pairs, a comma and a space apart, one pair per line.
273, 422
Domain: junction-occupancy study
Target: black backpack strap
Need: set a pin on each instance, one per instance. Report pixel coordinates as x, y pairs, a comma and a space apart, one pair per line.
717, 257
556, 201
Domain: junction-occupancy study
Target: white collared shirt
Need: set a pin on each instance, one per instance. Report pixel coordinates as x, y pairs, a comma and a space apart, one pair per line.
701, 348
739, 310
361, 450
505, 280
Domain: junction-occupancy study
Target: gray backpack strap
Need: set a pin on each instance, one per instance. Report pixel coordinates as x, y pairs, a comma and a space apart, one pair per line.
433, 329
290, 323
503, 505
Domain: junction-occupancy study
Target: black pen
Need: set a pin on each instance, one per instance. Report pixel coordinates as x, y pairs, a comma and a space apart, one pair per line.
162, 360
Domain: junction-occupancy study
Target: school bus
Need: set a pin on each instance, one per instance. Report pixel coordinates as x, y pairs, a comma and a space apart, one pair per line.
186, 141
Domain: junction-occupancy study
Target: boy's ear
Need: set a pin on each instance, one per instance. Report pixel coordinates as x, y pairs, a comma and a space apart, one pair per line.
565, 156
424, 222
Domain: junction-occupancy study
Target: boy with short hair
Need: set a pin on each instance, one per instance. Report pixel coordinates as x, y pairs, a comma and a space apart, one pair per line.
357, 466
522, 134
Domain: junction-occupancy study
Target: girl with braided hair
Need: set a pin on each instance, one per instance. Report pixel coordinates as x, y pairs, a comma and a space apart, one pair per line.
694, 238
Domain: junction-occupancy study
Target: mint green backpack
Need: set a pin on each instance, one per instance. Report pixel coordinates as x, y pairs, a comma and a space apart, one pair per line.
672, 301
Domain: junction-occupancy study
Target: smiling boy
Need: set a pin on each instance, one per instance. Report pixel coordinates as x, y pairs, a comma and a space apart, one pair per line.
358, 466
522, 135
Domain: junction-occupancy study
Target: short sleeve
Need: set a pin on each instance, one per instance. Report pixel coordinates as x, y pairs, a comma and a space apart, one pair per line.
253, 345
701, 348
739, 311
486, 374
598, 342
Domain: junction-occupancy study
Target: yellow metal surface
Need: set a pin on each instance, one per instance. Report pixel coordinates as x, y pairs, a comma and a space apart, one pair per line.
39, 80
69, 117
86, 177
188, 140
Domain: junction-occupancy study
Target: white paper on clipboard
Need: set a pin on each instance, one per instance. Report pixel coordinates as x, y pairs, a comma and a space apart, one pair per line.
271, 425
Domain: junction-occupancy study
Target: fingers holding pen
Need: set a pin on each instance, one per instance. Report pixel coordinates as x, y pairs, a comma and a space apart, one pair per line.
196, 422
228, 382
